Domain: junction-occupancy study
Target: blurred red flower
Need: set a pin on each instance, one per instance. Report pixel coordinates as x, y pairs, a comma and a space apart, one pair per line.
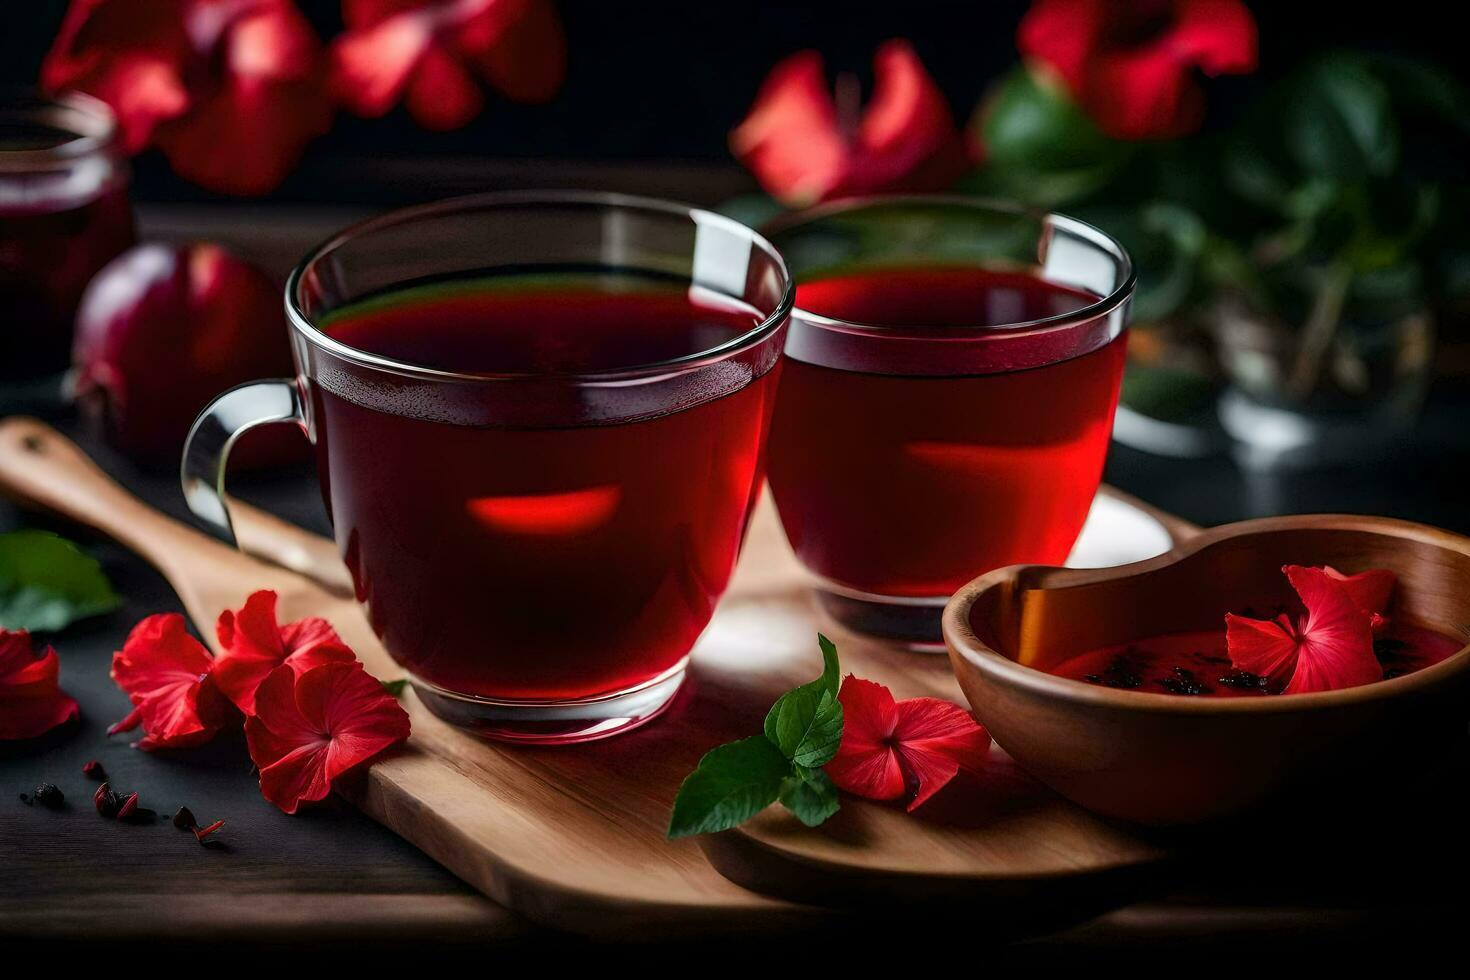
1131, 65
429, 54
31, 701
229, 90
804, 146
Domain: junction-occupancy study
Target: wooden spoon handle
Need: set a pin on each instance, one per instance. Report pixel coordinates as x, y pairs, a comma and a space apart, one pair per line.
41, 467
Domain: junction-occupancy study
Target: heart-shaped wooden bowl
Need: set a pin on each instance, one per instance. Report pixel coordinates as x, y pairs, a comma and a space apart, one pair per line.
1167, 760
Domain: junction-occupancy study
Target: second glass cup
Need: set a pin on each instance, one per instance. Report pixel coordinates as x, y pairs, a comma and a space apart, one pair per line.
952, 370
539, 423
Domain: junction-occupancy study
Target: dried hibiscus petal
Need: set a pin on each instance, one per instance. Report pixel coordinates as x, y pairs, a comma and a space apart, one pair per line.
255, 645
1329, 647
309, 729
32, 702
892, 749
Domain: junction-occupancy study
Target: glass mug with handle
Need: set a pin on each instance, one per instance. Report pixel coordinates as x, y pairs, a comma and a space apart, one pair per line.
538, 422
952, 370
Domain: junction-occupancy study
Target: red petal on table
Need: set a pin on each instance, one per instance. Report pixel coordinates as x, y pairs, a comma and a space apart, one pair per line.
255, 645
165, 672
251, 131
32, 703
1132, 66
891, 749
1331, 647
936, 739
866, 763
308, 730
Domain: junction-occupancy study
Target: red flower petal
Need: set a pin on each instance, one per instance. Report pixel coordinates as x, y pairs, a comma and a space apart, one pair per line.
790, 140
228, 89
1330, 648
255, 645
794, 141
269, 104
372, 65
528, 60
165, 672
891, 749
31, 701
1370, 590
126, 54
310, 729
1131, 66
866, 763
443, 95
424, 51
936, 739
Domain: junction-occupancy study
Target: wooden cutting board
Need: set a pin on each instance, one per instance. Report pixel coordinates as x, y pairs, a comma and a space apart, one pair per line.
573, 836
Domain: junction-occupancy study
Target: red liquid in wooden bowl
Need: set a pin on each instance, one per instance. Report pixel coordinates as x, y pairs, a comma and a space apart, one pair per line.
911, 485
559, 561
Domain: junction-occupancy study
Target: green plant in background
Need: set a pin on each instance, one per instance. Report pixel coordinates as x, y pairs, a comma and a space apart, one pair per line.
1301, 248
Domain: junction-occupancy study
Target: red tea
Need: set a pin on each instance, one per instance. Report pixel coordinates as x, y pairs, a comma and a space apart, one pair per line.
55, 233
910, 485
562, 561
1197, 663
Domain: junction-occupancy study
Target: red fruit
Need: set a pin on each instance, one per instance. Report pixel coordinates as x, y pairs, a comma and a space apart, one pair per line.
161, 330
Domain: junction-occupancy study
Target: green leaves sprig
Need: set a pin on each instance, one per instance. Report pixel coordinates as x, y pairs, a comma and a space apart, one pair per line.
736, 781
48, 583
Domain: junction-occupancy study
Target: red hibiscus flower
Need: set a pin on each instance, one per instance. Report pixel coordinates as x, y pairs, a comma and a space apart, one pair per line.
804, 147
1330, 647
255, 645
167, 674
1370, 590
229, 90
309, 729
431, 55
1131, 65
906, 748
32, 703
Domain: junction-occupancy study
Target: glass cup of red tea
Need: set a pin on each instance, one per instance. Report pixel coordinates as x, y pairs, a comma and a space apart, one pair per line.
64, 214
951, 373
539, 423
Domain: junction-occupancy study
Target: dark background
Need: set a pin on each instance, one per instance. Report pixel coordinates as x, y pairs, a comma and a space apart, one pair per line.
667, 80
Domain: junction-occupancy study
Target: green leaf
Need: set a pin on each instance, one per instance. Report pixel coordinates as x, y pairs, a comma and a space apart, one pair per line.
810, 795
1339, 123
47, 583
806, 725
395, 688
1040, 147
733, 783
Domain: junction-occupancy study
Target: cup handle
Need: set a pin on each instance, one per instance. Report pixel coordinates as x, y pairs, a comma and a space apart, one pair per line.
213, 435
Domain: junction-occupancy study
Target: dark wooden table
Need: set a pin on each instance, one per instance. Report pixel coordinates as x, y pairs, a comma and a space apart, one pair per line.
336, 882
